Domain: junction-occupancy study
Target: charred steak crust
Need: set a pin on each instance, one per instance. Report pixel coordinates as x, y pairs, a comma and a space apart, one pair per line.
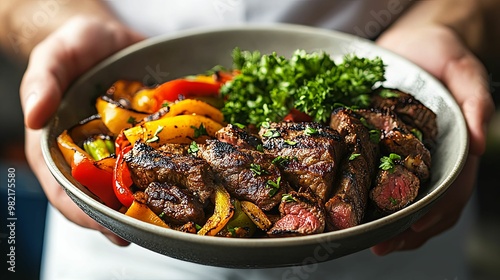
311, 153
238, 137
148, 165
346, 207
175, 205
411, 111
301, 214
396, 138
236, 169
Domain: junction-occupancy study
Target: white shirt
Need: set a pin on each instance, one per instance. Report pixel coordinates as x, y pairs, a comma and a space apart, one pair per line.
71, 252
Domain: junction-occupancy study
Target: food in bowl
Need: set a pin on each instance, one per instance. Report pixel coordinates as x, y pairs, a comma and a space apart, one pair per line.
273, 147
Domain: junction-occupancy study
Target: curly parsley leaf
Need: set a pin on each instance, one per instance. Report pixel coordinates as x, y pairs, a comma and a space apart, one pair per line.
268, 86
389, 162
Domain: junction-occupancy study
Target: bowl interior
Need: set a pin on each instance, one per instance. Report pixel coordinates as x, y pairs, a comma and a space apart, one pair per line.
167, 57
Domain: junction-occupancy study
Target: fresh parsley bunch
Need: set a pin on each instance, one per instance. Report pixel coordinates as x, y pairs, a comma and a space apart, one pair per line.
268, 86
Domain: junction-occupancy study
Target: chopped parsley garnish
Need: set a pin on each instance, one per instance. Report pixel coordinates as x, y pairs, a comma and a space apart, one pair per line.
274, 186
309, 131
193, 148
239, 125
161, 214
280, 160
286, 197
387, 93
265, 125
269, 85
155, 137
131, 120
199, 131
354, 156
290, 142
393, 201
365, 123
375, 135
260, 148
257, 170
271, 133
197, 227
388, 163
417, 133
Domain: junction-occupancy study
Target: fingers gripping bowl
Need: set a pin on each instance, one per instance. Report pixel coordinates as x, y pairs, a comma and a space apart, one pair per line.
164, 58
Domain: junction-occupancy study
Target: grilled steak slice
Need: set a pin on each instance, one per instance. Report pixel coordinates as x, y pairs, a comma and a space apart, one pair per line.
410, 110
307, 153
347, 205
177, 205
301, 214
246, 174
356, 135
238, 137
396, 138
174, 149
405, 144
148, 165
394, 189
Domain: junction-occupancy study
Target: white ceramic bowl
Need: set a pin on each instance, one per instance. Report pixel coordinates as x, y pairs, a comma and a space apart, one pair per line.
168, 57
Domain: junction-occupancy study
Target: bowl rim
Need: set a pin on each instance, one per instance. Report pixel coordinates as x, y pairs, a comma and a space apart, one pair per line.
429, 198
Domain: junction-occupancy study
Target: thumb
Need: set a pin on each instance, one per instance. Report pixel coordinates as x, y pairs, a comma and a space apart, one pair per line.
61, 57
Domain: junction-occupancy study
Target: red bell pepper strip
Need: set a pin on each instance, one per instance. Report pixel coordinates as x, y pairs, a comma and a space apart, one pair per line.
121, 142
96, 176
98, 179
184, 88
122, 181
297, 116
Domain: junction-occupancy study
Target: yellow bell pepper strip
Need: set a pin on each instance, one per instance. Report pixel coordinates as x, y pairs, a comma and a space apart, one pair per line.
181, 129
255, 214
184, 89
124, 89
142, 212
240, 225
144, 101
194, 107
223, 212
115, 116
122, 180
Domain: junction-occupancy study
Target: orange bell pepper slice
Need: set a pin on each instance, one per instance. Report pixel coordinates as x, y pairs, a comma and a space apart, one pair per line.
194, 107
142, 212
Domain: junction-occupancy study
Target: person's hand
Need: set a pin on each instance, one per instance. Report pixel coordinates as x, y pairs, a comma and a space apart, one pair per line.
438, 50
53, 65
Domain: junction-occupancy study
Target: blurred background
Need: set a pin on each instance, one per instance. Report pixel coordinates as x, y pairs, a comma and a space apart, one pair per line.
482, 243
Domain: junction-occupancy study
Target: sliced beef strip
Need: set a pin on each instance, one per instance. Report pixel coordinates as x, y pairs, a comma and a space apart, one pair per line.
415, 154
175, 205
394, 189
310, 154
236, 169
148, 165
346, 207
301, 214
411, 111
396, 138
238, 137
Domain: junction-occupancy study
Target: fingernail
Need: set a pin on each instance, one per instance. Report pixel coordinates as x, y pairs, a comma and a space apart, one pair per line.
30, 103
